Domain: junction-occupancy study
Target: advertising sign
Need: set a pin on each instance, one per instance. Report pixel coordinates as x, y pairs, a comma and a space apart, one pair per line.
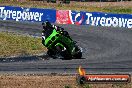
95, 18
27, 14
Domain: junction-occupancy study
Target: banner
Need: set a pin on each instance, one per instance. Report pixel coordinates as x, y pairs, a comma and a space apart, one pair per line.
27, 14
94, 18
65, 16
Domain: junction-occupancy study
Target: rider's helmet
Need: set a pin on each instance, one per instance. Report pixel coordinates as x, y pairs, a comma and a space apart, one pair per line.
46, 24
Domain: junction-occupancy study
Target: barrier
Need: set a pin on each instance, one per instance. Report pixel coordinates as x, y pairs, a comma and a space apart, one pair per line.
65, 16
93, 18
27, 14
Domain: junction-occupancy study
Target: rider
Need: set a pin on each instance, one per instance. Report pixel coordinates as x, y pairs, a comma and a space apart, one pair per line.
48, 28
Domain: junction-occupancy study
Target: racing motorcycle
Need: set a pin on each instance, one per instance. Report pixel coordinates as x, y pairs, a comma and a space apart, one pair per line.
60, 46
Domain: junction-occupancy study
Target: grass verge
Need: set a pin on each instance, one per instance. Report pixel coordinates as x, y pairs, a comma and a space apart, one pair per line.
51, 82
17, 45
113, 7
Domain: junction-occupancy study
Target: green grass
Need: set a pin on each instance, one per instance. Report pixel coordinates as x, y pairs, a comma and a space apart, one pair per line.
13, 44
118, 10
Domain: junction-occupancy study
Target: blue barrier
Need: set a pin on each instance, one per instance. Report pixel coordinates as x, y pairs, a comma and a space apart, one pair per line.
94, 18
65, 16
104, 19
27, 14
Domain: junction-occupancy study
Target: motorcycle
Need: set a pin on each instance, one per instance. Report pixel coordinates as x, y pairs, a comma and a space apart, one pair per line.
60, 46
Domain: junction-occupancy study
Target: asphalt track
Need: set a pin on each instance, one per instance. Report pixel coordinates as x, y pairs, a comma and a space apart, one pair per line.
105, 50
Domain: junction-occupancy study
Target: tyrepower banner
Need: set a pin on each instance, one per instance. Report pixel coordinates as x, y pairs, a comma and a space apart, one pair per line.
93, 18
65, 16
27, 14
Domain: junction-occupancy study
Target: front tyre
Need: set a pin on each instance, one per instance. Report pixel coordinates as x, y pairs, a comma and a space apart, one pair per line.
78, 55
78, 52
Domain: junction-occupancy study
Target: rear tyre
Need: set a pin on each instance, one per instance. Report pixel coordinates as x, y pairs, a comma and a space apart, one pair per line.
66, 55
50, 53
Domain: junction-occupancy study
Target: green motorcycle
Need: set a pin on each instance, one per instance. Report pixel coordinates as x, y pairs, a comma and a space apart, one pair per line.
60, 46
